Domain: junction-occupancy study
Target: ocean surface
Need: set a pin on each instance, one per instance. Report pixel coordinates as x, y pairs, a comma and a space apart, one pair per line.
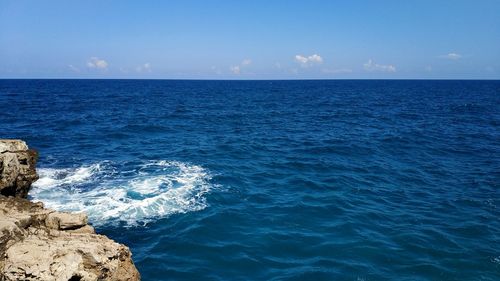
274, 180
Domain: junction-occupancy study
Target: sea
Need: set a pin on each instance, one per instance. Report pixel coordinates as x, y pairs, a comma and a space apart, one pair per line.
274, 180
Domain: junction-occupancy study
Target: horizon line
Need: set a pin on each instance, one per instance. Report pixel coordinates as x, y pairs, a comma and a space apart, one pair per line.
281, 79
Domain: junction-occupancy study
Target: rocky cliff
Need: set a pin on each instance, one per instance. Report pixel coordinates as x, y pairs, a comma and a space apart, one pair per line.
17, 168
41, 244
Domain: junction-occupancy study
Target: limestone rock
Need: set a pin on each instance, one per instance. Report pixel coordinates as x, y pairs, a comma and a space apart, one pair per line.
17, 168
42, 244
65, 221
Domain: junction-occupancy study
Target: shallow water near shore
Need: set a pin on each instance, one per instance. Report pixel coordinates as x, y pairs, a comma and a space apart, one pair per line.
274, 180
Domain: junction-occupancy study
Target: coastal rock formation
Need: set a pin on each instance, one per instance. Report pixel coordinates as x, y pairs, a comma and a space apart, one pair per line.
17, 168
41, 244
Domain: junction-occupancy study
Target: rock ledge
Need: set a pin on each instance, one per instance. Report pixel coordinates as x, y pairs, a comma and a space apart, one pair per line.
17, 168
41, 244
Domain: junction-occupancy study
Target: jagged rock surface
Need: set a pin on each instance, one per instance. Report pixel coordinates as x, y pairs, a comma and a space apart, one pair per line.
17, 168
41, 244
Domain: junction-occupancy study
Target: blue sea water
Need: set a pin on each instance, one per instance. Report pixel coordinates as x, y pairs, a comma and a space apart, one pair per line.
274, 180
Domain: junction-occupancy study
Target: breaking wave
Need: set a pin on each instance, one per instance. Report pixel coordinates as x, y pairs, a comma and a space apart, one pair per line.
128, 193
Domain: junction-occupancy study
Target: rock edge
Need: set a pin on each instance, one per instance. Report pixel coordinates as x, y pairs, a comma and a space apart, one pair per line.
42, 244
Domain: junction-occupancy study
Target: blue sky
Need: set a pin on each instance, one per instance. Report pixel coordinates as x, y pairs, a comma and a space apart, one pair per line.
250, 39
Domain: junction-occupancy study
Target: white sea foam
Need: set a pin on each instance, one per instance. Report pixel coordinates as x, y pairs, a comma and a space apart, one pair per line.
140, 194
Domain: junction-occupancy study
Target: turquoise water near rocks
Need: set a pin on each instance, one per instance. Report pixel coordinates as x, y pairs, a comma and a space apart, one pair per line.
274, 180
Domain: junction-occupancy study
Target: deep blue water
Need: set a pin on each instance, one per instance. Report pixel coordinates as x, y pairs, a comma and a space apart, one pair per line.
274, 180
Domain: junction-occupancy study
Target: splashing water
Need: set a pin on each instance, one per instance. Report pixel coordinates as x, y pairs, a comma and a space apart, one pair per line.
133, 194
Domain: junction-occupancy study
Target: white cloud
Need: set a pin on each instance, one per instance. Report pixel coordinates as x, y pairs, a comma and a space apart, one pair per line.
235, 69
315, 58
300, 59
73, 68
309, 60
428, 68
95, 62
246, 62
371, 66
144, 68
451, 56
